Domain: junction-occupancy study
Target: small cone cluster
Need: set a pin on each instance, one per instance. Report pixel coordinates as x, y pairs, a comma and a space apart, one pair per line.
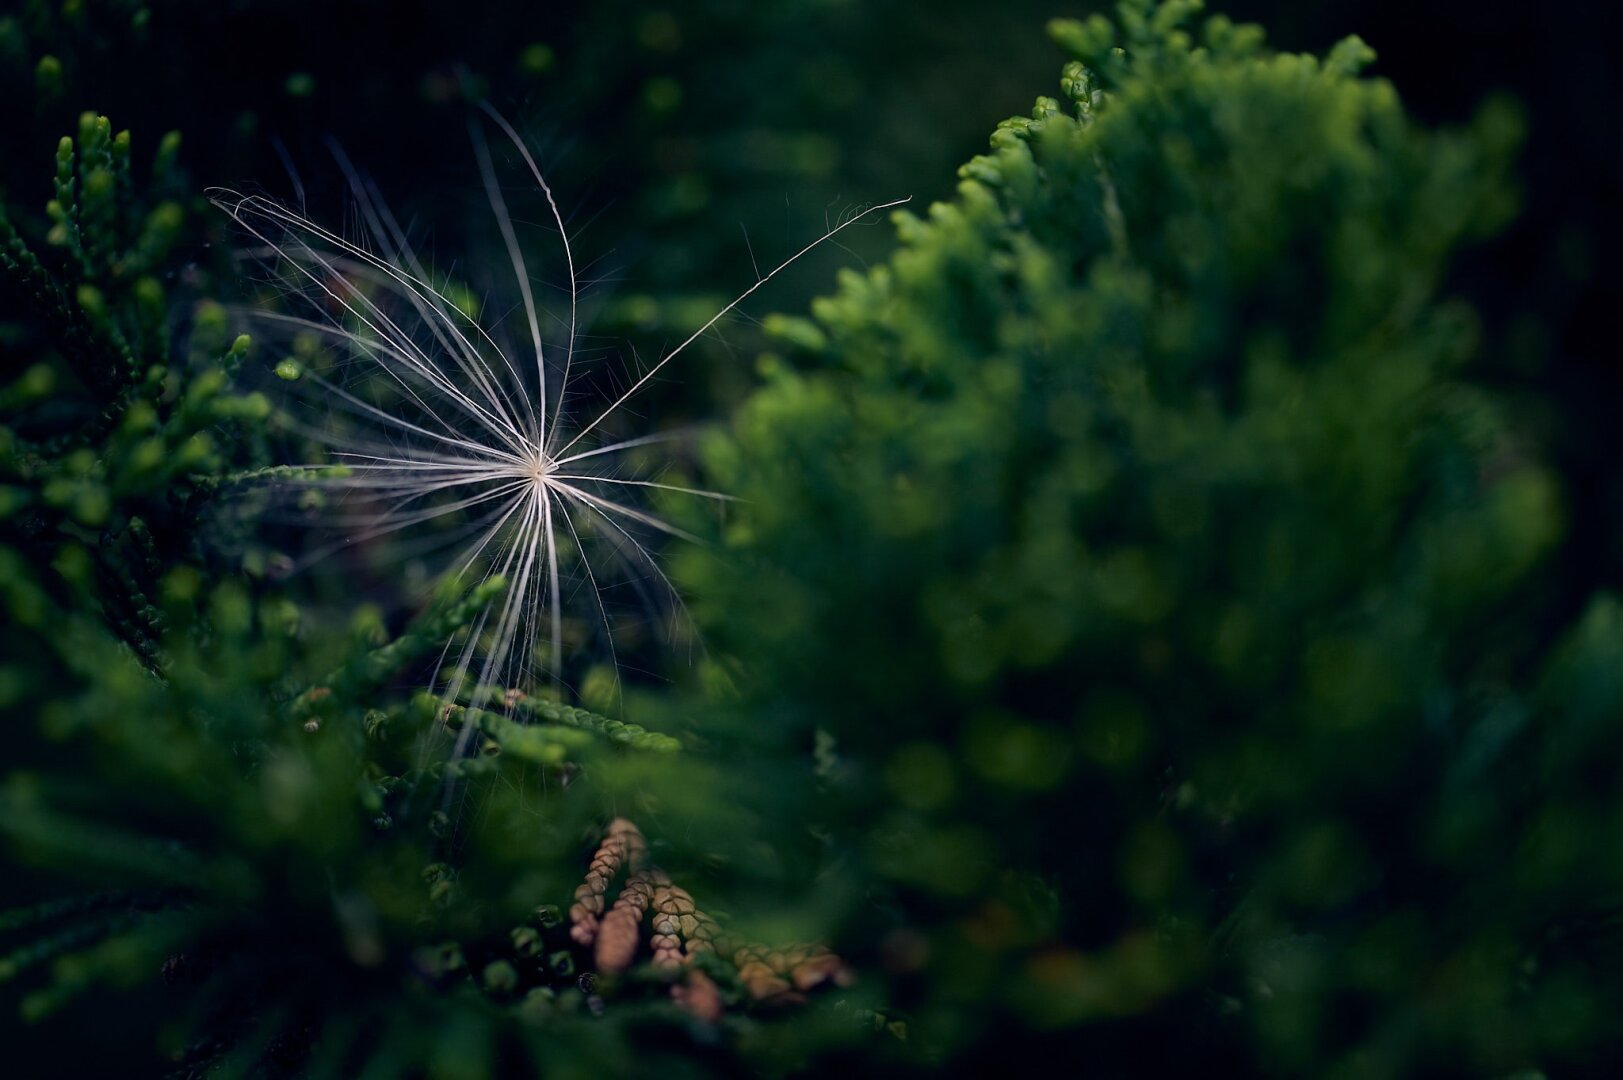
681, 932
785, 976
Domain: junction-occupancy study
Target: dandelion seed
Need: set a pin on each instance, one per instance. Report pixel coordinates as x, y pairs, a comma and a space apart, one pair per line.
459, 427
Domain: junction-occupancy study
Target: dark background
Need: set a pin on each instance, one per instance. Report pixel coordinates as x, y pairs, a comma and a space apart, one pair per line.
671, 132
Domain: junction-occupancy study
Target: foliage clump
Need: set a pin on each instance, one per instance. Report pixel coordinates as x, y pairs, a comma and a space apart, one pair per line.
1156, 595
235, 803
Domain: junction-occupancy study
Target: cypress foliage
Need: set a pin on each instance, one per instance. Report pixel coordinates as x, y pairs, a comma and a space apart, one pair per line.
1154, 598
244, 812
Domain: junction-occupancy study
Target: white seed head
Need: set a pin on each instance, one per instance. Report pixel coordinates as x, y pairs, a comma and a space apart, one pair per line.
459, 426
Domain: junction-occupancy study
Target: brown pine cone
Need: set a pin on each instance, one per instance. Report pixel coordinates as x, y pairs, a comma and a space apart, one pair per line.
699, 995
623, 845
619, 934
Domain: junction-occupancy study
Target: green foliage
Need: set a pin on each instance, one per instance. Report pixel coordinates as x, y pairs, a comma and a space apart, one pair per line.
1157, 595
271, 825
111, 442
